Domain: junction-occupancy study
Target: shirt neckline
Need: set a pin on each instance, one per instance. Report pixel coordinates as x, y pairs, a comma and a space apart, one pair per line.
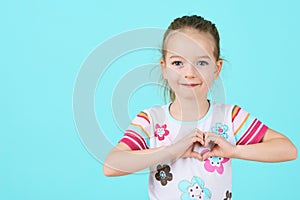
167, 111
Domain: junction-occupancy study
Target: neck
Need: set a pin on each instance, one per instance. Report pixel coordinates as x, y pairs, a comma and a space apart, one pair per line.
189, 110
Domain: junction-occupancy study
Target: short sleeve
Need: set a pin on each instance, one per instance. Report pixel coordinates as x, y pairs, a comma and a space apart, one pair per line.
247, 129
137, 136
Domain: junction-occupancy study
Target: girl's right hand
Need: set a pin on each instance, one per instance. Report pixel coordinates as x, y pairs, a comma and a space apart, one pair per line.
183, 148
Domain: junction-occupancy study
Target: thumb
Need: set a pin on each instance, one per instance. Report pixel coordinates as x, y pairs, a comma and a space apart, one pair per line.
196, 155
207, 155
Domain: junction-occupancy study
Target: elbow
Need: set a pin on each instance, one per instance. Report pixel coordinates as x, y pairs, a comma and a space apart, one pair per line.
291, 153
110, 171
294, 153
107, 171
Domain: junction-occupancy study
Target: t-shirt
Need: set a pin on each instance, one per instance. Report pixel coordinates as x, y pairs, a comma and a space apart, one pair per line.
189, 178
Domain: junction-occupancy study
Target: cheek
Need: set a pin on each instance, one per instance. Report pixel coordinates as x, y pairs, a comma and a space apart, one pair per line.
171, 75
207, 77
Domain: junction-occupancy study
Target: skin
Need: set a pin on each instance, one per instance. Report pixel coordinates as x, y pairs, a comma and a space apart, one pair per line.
190, 69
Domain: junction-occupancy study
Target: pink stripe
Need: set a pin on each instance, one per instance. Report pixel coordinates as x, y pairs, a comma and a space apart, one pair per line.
245, 135
259, 134
240, 141
131, 144
254, 132
137, 137
134, 139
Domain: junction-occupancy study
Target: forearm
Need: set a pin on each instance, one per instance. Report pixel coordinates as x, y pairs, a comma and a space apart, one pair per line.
120, 162
275, 150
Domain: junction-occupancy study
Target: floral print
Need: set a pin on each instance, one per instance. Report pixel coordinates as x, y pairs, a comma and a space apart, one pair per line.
228, 195
220, 129
194, 189
163, 174
161, 131
214, 163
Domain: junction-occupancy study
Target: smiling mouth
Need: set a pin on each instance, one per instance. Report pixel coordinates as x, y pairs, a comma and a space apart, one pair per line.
191, 85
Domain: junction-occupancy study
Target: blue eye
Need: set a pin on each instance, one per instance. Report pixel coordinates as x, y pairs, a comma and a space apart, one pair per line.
177, 63
202, 63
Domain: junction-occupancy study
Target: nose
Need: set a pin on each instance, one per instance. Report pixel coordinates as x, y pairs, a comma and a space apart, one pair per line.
190, 71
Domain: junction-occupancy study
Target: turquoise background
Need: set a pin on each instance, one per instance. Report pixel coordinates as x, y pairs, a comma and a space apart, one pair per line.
44, 43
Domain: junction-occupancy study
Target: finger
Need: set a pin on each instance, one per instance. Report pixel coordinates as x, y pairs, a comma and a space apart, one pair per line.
189, 153
209, 134
200, 135
209, 140
197, 139
192, 134
189, 150
207, 155
200, 138
196, 155
199, 132
195, 132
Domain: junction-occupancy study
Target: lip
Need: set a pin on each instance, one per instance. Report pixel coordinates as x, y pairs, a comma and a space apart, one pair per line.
190, 84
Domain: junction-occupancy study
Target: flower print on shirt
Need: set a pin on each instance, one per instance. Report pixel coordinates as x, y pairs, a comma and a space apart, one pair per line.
163, 174
214, 163
194, 190
228, 195
161, 131
220, 129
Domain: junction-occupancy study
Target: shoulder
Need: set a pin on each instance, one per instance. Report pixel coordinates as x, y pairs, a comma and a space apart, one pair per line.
232, 111
224, 107
154, 109
153, 113
231, 107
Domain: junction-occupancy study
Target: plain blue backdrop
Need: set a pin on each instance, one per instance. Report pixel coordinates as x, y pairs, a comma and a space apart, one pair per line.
43, 45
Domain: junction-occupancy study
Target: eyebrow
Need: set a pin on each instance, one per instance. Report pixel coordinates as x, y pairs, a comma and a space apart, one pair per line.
175, 57
183, 58
203, 57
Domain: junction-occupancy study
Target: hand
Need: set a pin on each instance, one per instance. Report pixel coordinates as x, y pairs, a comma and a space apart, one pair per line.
183, 148
219, 146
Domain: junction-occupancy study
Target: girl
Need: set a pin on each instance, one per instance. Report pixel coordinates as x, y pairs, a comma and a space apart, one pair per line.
188, 144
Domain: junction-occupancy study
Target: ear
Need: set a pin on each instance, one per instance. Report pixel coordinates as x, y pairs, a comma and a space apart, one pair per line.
163, 68
219, 65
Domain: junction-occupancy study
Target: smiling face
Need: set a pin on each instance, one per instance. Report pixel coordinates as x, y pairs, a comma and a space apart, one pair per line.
189, 65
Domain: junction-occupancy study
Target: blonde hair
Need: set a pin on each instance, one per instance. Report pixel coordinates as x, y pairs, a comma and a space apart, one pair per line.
195, 22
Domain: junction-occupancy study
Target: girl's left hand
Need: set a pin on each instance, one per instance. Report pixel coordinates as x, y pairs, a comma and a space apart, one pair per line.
219, 146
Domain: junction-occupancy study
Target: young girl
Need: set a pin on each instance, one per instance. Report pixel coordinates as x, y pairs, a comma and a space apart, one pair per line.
188, 144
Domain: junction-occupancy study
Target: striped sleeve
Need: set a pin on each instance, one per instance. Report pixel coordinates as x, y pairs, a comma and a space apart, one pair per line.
247, 129
137, 136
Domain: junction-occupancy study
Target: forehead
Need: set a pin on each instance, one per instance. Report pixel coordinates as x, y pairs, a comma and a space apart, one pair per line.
189, 44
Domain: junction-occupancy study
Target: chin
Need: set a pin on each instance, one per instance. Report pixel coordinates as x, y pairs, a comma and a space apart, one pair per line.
192, 97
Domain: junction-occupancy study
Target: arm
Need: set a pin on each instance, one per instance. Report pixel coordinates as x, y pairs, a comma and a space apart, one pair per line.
274, 147
122, 160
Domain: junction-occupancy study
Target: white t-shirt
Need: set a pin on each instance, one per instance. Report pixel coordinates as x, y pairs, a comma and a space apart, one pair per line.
189, 178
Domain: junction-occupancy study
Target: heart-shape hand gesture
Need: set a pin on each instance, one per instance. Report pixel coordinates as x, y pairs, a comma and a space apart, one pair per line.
184, 148
218, 145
